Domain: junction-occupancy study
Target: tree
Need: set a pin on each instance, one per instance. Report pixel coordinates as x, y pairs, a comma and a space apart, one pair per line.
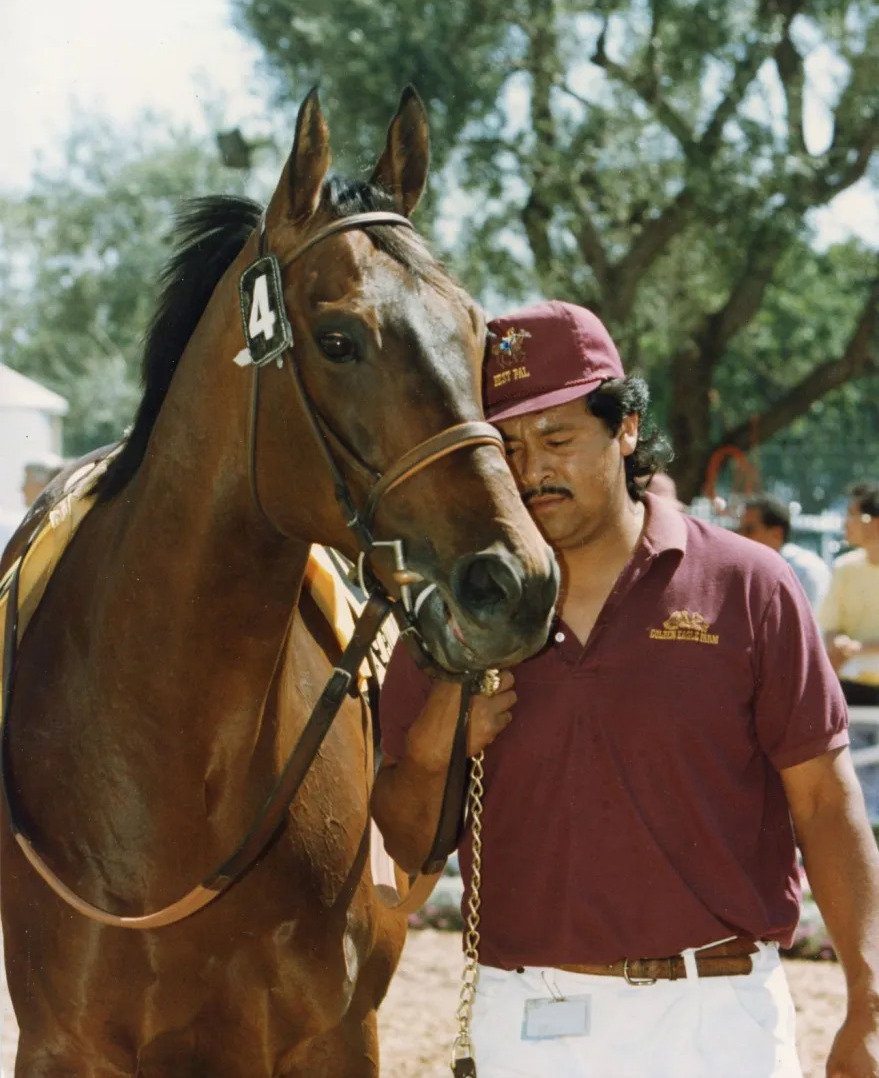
79, 255
651, 159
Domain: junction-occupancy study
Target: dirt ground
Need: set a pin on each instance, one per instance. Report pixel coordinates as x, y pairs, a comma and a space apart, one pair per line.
416, 1022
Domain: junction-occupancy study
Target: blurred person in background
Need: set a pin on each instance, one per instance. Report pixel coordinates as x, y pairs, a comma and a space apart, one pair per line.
849, 619
663, 486
766, 520
37, 475
849, 615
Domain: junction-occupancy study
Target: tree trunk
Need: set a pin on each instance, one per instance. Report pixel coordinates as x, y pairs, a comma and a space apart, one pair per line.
689, 421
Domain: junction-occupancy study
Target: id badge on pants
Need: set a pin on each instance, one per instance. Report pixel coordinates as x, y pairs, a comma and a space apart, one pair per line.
568, 1016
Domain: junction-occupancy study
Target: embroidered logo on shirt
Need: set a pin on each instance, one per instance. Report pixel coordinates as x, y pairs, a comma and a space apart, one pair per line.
682, 625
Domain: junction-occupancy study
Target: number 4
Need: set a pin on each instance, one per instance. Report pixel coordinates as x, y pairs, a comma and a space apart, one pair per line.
262, 317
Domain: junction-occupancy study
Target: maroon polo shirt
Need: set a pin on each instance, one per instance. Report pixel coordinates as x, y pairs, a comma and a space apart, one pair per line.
633, 806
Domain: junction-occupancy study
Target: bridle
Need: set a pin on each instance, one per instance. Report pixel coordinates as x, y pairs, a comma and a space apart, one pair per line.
344, 676
332, 447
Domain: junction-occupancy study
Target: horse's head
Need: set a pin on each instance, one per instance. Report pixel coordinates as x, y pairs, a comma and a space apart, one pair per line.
369, 428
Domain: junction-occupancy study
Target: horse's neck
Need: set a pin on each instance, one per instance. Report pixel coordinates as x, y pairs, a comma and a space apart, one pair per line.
197, 573
191, 518
192, 570
194, 558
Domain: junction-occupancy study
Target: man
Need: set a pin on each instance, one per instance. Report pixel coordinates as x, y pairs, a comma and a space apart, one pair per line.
849, 615
849, 618
37, 475
766, 520
642, 770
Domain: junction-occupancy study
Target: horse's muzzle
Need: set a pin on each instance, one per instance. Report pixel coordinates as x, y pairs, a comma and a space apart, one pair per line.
493, 613
487, 586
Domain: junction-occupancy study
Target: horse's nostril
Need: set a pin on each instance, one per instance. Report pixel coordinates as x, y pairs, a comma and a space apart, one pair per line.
486, 585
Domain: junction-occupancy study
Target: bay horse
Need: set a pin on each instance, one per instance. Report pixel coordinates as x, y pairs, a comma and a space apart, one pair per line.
173, 661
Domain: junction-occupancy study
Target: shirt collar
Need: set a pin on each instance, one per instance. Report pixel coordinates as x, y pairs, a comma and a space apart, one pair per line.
665, 527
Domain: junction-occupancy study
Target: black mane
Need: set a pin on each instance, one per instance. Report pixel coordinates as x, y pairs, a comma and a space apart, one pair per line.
208, 235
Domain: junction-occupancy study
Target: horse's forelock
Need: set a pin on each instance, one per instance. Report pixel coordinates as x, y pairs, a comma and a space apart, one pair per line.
344, 197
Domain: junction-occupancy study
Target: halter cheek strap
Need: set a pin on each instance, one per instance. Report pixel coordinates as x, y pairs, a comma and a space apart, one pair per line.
433, 448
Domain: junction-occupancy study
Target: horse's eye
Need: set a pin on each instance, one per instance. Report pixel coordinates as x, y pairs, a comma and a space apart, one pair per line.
338, 347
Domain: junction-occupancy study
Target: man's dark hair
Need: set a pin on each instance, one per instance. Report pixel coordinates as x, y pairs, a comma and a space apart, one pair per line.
613, 401
866, 494
774, 513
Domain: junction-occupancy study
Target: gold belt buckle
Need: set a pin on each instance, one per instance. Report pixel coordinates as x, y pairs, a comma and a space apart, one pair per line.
639, 982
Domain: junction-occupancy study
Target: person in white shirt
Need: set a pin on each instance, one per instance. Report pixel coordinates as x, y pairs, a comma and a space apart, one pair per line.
766, 520
849, 616
849, 620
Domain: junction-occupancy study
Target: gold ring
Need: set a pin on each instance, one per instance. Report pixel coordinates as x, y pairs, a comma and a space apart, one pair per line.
490, 682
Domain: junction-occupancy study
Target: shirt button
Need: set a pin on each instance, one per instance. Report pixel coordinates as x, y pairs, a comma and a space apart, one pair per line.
559, 638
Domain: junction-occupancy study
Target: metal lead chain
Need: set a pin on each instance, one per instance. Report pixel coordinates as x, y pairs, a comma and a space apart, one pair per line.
462, 1048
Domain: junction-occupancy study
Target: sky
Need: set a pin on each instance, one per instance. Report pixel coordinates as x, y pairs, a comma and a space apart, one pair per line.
118, 58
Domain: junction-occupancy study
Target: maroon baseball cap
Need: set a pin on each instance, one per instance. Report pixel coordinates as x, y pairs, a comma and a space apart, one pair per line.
544, 355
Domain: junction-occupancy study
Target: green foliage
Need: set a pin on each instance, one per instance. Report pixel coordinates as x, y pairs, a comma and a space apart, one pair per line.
80, 253
652, 159
362, 53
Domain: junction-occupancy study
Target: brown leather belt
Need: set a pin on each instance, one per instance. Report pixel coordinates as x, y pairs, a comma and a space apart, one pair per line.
728, 959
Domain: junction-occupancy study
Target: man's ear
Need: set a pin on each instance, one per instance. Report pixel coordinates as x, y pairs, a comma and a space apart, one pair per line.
628, 433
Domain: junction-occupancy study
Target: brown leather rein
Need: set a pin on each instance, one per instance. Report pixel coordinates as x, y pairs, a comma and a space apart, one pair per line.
343, 678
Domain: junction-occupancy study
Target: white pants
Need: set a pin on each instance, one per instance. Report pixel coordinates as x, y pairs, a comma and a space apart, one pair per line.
705, 1027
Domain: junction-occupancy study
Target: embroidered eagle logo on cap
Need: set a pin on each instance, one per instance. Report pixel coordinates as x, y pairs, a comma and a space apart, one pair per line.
510, 348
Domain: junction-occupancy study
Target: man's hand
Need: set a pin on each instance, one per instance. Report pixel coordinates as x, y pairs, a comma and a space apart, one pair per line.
855, 1050
408, 792
842, 863
490, 714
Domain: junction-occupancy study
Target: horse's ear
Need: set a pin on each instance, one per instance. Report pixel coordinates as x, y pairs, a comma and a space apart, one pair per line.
402, 168
309, 159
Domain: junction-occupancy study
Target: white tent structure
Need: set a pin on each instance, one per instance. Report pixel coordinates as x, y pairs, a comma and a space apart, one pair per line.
30, 432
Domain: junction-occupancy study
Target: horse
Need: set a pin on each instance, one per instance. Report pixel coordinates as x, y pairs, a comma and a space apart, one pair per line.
311, 375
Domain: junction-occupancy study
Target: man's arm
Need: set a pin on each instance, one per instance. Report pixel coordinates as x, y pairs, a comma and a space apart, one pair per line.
408, 793
842, 863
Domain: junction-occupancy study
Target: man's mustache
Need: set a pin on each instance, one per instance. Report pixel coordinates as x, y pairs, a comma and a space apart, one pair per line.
539, 492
